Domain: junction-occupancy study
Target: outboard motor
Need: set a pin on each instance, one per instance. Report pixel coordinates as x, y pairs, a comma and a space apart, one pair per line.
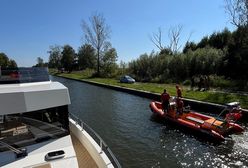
235, 112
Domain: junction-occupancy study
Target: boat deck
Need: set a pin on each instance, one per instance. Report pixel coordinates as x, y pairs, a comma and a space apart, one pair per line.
83, 156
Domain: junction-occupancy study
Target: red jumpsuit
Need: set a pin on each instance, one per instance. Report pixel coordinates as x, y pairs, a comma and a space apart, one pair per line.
180, 105
165, 97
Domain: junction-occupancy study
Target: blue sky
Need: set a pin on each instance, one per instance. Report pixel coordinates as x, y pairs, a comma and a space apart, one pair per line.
29, 27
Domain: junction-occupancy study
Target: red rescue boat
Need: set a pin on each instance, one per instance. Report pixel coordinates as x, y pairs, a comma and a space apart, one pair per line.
209, 125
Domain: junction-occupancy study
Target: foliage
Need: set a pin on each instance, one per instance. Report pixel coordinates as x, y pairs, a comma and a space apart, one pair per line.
177, 68
123, 68
160, 68
12, 64
55, 57
205, 61
214, 97
220, 40
86, 57
221, 82
189, 46
234, 47
109, 65
68, 58
40, 62
5, 62
203, 43
236, 60
141, 68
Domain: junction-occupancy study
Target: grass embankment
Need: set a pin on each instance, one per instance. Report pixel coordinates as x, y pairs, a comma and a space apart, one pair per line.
208, 96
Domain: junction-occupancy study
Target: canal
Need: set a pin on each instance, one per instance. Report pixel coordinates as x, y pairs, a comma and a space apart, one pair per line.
124, 122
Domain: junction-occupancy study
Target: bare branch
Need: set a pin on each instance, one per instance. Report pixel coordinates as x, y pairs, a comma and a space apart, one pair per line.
156, 39
190, 35
238, 12
174, 36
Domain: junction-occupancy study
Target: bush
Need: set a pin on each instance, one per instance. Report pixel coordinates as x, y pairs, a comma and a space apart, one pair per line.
88, 72
178, 67
187, 82
220, 82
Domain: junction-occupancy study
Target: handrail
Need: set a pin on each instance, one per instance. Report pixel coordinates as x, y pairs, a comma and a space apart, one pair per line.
104, 147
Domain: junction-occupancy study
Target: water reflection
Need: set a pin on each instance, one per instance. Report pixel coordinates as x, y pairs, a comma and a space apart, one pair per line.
190, 151
124, 121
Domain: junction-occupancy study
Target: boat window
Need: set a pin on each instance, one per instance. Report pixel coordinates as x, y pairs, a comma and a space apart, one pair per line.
23, 129
23, 75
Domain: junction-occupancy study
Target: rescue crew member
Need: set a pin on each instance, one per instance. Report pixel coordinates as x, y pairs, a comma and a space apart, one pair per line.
179, 91
165, 97
180, 105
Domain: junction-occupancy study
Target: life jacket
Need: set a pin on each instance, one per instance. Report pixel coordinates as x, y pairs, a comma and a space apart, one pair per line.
180, 104
165, 97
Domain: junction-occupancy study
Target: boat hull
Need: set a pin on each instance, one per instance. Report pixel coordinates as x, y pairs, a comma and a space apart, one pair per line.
90, 144
206, 125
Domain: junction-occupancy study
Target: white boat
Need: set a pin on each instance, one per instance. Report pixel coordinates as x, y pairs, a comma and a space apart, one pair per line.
36, 130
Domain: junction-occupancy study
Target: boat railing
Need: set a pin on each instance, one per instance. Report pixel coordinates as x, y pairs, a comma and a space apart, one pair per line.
104, 147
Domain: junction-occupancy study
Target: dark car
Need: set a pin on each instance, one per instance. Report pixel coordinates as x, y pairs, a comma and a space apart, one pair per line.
127, 79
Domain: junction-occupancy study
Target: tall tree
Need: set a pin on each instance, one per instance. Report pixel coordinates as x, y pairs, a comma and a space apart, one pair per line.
109, 62
123, 66
97, 33
40, 62
68, 57
203, 43
174, 35
236, 60
55, 56
86, 57
189, 46
12, 64
220, 40
5, 62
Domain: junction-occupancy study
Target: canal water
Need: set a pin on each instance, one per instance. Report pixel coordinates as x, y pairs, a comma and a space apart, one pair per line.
125, 123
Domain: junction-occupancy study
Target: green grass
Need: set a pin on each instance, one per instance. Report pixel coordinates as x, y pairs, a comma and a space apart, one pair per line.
208, 96
52, 71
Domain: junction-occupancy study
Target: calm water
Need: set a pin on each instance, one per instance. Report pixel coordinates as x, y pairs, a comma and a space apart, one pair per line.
124, 122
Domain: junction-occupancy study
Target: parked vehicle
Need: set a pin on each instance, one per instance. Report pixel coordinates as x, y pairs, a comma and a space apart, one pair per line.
127, 79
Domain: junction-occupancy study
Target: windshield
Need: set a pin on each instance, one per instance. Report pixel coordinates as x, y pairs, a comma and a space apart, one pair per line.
23, 129
128, 77
23, 75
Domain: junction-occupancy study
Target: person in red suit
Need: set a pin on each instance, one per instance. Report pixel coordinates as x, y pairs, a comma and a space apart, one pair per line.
180, 105
165, 97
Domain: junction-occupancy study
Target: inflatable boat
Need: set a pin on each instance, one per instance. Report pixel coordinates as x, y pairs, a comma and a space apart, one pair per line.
205, 124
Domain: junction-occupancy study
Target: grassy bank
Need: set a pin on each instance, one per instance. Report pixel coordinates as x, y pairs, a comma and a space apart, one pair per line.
208, 96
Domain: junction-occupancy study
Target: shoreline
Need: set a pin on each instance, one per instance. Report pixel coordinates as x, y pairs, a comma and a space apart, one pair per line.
196, 105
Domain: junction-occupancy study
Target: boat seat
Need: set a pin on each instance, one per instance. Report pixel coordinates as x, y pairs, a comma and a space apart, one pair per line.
195, 119
214, 122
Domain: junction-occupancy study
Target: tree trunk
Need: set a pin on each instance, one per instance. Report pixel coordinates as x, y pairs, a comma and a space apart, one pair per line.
98, 62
